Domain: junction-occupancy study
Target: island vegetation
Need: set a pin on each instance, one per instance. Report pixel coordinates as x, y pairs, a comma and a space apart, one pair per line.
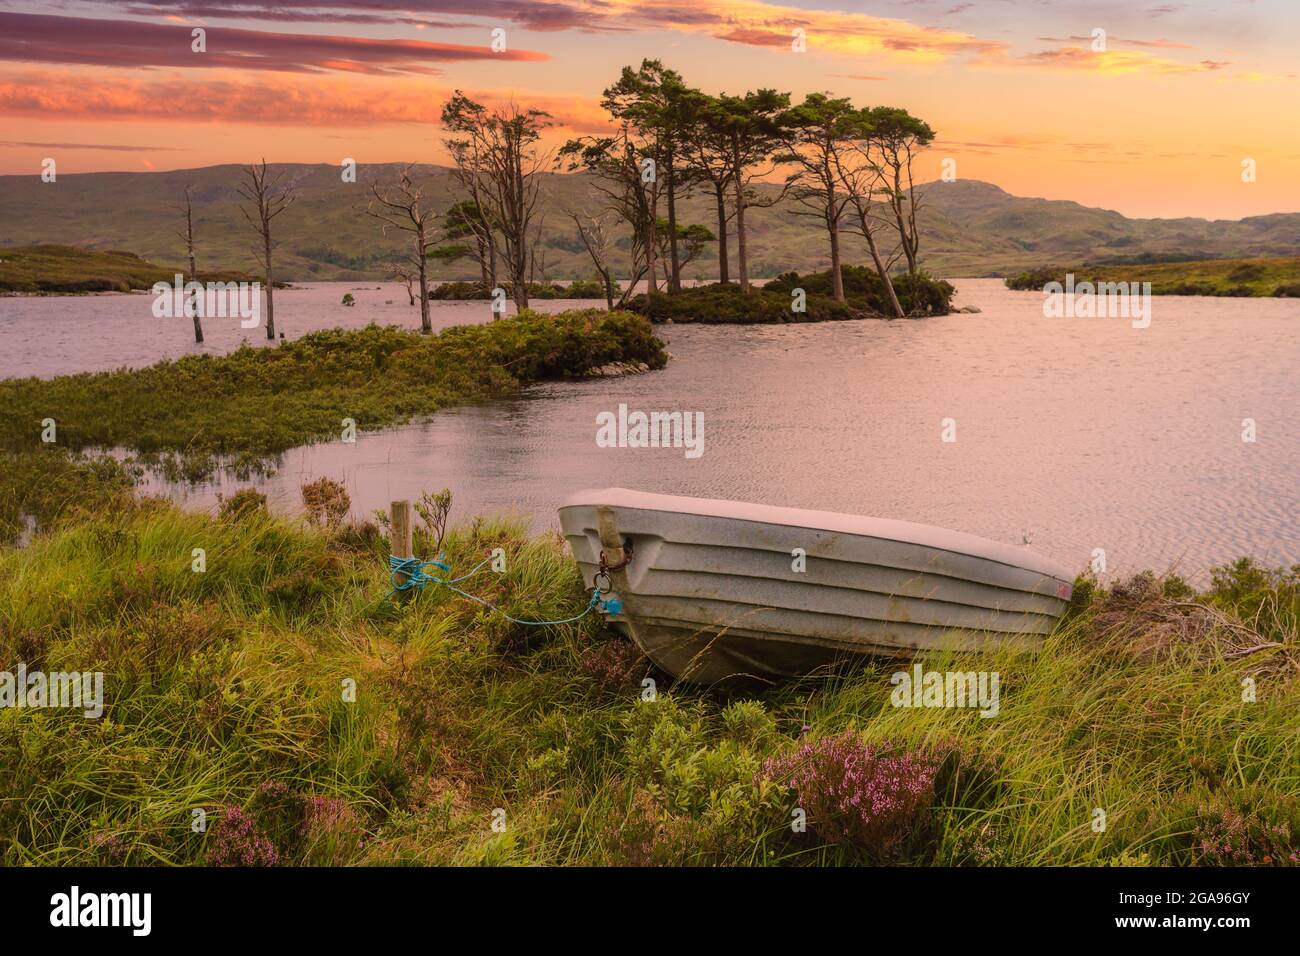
1277, 277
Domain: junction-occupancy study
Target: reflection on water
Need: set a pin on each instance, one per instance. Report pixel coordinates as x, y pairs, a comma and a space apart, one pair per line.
1082, 433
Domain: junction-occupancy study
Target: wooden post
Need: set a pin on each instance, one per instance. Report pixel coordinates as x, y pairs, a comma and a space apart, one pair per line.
400, 534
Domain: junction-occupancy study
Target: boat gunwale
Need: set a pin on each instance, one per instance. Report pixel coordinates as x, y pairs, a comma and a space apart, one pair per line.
882, 529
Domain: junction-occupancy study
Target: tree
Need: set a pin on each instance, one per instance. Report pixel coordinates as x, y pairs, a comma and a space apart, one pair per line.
897, 136
691, 240
816, 133
615, 167
465, 220
707, 153
188, 236
402, 206
861, 176
752, 131
270, 197
595, 239
497, 150
655, 102
405, 275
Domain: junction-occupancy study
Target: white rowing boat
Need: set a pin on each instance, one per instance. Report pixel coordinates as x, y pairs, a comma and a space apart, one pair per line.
715, 590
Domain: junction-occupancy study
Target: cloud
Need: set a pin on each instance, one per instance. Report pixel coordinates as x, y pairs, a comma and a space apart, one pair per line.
123, 148
1123, 41
269, 100
1113, 61
536, 15
130, 43
748, 22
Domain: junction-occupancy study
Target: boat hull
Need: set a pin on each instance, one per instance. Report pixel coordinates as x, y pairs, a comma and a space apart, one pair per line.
721, 591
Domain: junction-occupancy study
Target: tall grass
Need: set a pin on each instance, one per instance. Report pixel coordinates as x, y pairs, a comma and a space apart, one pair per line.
226, 693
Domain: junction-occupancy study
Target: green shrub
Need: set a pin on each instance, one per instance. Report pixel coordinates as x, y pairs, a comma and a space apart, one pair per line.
726, 303
918, 293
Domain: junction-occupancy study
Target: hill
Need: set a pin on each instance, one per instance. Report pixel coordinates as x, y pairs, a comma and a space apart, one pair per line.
55, 269
1277, 277
969, 227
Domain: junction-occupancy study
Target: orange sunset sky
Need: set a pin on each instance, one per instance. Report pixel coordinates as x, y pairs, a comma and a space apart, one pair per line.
1157, 124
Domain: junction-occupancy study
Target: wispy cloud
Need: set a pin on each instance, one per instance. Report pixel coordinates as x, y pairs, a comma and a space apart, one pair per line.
128, 43
270, 100
106, 147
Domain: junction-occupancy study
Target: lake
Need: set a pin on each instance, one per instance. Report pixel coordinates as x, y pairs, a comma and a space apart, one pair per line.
1080, 433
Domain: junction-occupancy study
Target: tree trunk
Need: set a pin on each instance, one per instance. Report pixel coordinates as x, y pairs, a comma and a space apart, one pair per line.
650, 253
742, 263
270, 287
609, 290
675, 279
837, 274
880, 267
194, 277
422, 265
519, 276
908, 251
720, 190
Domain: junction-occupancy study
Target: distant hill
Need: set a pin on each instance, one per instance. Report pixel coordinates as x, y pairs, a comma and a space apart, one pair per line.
970, 228
67, 269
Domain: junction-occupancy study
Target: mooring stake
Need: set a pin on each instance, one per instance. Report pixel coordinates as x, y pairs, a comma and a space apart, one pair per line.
401, 535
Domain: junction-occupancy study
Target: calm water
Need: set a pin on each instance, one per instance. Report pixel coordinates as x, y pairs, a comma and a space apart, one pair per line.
1083, 433
55, 335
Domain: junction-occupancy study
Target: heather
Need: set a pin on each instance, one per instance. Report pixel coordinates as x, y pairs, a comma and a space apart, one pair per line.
227, 691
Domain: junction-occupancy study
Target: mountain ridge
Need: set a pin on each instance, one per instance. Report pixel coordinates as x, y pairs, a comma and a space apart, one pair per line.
969, 227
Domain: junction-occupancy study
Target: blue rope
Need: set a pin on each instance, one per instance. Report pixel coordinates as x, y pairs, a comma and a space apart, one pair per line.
412, 569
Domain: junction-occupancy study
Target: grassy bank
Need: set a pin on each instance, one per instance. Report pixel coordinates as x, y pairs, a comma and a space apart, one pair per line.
258, 402
1276, 277
67, 269
226, 691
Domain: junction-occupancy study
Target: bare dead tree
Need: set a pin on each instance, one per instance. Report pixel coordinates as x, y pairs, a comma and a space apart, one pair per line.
402, 206
406, 275
188, 237
270, 197
498, 151
595, 237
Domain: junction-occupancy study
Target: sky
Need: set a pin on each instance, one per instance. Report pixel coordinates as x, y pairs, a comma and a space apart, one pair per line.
1149, 108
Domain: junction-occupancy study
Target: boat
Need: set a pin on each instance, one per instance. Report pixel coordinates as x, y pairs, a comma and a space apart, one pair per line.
725, 591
